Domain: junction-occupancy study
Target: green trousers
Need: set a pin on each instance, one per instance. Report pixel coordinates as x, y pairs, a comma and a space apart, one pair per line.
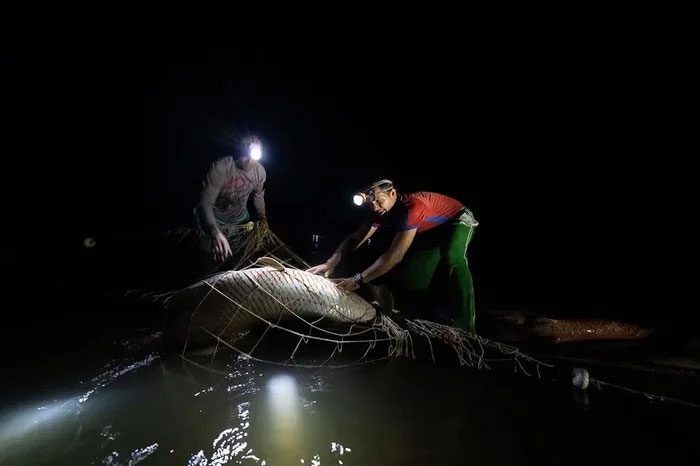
435, 274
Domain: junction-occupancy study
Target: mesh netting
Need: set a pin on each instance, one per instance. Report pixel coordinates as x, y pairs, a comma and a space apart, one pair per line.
267, 308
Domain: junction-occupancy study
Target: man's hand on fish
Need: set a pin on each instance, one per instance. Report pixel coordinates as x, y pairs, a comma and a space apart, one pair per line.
322, 269
345, 284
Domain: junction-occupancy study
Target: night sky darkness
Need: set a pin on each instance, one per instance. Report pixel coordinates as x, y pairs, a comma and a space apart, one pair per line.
548, 142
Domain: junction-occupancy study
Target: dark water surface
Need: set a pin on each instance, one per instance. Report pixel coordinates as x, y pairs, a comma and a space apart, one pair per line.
124, 402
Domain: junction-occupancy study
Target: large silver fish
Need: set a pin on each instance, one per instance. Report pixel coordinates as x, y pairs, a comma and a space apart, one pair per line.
229, 303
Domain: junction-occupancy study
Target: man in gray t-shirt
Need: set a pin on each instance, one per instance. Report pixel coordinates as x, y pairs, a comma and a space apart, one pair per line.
222, 211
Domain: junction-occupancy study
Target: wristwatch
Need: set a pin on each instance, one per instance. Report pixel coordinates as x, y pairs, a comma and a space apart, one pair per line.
357, 278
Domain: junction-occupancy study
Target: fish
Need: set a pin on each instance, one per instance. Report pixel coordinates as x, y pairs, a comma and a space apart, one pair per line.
567, 330
230, 303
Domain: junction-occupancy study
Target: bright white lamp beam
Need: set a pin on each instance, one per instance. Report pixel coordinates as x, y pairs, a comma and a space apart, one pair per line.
255, 151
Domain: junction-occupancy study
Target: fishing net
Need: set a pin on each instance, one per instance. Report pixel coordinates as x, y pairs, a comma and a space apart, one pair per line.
264, 318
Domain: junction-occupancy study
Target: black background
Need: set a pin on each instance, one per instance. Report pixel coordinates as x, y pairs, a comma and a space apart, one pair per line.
559, 143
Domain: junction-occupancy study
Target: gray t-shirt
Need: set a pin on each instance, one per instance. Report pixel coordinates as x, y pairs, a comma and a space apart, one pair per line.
226, 190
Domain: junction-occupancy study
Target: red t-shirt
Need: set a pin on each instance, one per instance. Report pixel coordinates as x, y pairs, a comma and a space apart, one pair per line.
422, 211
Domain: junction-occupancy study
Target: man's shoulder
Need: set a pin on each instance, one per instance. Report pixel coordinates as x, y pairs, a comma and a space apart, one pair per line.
430, 198
223, 162
415, 201
423, 195
260, 168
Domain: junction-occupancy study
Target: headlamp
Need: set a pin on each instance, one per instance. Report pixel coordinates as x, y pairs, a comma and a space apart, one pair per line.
369, 195
255, 150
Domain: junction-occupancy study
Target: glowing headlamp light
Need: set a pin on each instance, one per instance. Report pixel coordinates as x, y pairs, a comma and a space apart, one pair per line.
255, 151
369, 195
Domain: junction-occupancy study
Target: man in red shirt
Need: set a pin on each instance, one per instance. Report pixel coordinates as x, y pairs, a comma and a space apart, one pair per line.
439, 228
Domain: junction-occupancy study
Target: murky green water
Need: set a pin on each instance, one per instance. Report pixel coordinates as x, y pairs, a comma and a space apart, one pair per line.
141, 407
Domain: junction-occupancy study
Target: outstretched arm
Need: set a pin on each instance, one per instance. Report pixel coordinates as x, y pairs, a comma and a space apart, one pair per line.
384, 263
205, 209
350, 243
387, 261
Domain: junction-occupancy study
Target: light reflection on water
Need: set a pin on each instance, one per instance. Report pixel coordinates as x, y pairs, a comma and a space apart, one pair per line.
153, 410
134, 458
230, 444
